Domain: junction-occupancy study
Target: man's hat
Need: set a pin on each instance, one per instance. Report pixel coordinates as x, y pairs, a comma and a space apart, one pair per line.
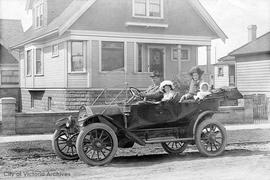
155, 74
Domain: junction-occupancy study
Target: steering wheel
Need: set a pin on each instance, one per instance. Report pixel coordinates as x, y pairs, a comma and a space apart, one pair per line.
136, 94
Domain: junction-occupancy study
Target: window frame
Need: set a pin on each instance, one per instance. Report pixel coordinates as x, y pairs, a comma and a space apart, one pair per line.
39, 14
57, 51
41, 62
125, 56
84, 43
8, 83
148, 10
218, 72
31, 63
185, 49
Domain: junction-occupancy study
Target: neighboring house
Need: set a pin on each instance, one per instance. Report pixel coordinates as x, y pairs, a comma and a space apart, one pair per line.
253, 64
225, 72
10, 32
76, 48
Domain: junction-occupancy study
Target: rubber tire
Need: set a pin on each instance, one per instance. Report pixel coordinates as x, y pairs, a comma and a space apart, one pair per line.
57, 151
81, 136
171, 151
198, 137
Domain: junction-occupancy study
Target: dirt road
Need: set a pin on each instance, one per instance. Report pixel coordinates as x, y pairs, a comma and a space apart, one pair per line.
251, 161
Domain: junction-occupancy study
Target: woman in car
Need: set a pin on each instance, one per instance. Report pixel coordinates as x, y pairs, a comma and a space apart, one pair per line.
196, 80
167, 88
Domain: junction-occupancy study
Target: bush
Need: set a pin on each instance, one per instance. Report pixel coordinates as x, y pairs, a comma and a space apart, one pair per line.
181, 84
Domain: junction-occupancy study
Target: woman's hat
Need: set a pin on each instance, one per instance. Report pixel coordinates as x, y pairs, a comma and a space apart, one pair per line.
196, 69
166, 83
205, 83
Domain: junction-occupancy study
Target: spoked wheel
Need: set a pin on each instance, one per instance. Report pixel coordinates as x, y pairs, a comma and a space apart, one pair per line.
97, 144
211, 138
174, 147
64, 143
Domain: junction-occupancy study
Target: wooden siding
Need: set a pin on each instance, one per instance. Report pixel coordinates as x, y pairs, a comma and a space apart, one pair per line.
253, 76
53, 69
106, 15
221, 81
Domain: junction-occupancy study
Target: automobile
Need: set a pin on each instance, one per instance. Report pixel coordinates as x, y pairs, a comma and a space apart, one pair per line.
99, 130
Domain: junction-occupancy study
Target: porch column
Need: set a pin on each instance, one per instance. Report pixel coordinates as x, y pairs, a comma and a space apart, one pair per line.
179, 58
208, 63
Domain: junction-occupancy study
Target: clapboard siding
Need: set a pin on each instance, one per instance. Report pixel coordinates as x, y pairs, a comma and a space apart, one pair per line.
77, 80
253, 76
221, 81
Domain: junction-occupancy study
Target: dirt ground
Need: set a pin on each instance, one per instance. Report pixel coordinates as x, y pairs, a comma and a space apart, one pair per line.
35, 160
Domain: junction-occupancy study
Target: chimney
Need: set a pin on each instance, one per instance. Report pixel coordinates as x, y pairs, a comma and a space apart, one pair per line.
252, 32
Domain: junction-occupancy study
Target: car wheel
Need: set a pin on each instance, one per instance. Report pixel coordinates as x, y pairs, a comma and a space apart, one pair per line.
176, 147
97, 144
64, 144
211, 138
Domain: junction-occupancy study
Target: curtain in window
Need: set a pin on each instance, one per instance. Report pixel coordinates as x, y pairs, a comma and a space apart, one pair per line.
77, 57
112, 56
29, 62
38, 61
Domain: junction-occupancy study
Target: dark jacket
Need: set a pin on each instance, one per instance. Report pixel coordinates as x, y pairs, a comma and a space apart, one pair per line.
153, 93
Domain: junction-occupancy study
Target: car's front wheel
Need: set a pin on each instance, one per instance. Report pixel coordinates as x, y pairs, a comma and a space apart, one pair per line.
63, 144
211, 138
97, 144
176, 147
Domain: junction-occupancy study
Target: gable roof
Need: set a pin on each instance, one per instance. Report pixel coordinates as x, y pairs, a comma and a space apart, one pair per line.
259, 45
11, 32
208, 19
78, 7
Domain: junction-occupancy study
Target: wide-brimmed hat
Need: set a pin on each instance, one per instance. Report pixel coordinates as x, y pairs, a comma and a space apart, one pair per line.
155, 74
165, 83
196, 69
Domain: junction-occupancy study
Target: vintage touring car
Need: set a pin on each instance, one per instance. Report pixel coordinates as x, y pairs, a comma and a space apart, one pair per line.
98, 131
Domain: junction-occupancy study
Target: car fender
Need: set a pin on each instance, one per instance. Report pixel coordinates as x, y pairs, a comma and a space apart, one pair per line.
199, 118
61, 123
102, 119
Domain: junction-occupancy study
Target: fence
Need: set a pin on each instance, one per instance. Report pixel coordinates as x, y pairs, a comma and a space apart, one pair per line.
260, 108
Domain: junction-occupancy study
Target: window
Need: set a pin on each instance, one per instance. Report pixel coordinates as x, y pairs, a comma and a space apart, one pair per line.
39, 11
185, 54
54, 50
140, 58
112, 56
9, 77
148, 8
49, 103
77, 56
220, 71
29, 63
38, 62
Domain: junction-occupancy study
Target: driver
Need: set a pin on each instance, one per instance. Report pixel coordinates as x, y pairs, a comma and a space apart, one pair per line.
153, 92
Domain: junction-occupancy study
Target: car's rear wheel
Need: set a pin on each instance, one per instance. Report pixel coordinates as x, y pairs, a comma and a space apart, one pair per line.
176, 147
97, 144
64, 143
211, 138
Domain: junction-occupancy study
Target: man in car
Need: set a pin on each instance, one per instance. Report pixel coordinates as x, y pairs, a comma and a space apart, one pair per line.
153, 92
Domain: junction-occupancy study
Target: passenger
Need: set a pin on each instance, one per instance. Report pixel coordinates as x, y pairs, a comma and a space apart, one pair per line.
153, 92
204, 91
167, 88
196, 80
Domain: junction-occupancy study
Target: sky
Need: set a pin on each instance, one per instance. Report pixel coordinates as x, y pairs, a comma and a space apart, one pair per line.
233, 16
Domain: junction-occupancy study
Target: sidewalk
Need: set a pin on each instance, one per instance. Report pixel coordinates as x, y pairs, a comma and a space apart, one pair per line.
236, 133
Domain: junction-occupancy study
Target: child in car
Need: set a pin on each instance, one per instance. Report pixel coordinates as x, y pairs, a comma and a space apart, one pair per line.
204, 91
167, 88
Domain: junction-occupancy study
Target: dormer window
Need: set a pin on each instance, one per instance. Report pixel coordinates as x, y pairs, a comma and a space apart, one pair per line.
148, 8
39, 14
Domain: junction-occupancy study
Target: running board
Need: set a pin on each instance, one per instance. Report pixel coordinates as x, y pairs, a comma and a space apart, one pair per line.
167, 140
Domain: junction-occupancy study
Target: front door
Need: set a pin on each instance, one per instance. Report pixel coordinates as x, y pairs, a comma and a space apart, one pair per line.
156, 58
231, 75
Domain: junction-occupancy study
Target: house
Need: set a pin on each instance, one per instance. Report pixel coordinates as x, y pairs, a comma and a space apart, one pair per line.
252, 64
10, 32
225, 72
76, 48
